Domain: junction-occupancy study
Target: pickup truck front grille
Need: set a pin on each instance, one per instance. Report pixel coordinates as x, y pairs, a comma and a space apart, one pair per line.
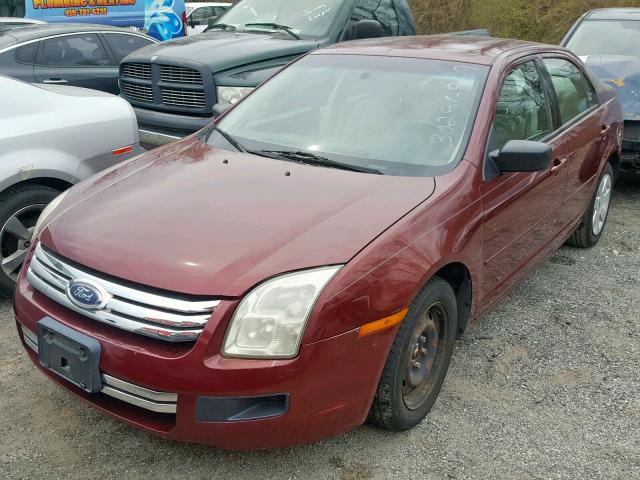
162, 316
143, 93
141, 71
181, 97
176, 74
171, 88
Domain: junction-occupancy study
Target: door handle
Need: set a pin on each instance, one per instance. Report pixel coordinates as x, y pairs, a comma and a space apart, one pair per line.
558, 165
605, 130
54, 80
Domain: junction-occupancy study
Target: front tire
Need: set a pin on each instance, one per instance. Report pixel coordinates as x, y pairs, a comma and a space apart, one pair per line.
418, 360
591, 227
20, 208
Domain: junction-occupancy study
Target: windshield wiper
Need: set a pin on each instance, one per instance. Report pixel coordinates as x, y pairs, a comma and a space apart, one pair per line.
313, 159
275, 26
222, 26
231, 139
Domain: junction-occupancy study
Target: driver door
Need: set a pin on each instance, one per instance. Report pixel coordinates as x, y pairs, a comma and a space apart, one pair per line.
520, 209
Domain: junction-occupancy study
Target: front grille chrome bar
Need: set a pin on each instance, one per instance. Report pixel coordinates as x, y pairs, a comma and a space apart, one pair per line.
152, 400
158, 316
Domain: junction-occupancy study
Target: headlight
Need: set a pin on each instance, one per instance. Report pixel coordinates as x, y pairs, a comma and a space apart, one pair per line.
270, 320
46, 215
233, 95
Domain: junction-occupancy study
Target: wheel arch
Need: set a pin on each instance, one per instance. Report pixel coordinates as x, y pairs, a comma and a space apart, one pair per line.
52, 179
458, 276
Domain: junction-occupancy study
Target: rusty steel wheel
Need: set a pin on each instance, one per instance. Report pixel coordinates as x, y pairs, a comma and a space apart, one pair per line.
418, 360
425, 356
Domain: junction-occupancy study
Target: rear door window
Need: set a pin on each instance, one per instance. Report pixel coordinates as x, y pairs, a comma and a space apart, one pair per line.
123, 44
82, 50
381, 10
574, 91
27, 53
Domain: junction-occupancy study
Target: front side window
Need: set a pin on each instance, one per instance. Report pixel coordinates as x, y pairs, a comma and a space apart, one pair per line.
382, 11
400, 116
83, 50
574, 91
306, 18
523, 111
606, 37
123, 44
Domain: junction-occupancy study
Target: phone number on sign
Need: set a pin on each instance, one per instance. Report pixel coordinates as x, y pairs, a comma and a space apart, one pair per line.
83, 12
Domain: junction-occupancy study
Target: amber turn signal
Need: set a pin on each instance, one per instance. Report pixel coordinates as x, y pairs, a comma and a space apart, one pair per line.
383, 324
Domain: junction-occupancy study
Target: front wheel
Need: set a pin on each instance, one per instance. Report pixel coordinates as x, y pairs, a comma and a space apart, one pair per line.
592, 225
20, 208
418, 360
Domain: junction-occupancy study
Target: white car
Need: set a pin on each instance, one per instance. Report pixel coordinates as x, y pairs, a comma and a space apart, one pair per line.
9, 23
51, 137
201, 13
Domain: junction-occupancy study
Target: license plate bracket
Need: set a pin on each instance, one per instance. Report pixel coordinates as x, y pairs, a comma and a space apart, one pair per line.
69, 354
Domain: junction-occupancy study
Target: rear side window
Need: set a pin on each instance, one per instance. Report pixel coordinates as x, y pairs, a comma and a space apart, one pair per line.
574, 91
122, 45
381, 10
83, 50
27, 53
523, 111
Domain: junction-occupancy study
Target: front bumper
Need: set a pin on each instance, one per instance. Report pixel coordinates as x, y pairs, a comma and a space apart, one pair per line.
160, 128
326, 390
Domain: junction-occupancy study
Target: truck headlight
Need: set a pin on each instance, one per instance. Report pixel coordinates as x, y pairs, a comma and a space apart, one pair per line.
46, 215
270, 320
233, 95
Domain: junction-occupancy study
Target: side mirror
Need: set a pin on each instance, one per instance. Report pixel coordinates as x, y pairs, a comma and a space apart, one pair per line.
192, 22
522, 156
367, 29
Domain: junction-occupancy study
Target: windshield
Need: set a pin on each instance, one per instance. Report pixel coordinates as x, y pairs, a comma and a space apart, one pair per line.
308, 18
189, 10
399, 116
606, 37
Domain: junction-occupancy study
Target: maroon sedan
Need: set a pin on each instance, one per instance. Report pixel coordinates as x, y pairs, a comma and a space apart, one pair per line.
308, 261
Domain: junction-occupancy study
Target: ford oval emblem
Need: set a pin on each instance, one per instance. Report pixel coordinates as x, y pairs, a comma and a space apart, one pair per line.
87, 295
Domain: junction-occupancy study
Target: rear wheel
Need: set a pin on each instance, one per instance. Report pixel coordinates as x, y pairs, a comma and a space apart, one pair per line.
20, 208
592, 224
418, 360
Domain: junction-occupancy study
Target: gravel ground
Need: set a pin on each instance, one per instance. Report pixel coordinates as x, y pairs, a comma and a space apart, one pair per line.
546, 386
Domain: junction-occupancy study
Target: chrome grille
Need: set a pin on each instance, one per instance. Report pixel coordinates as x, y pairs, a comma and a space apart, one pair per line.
141, 71
149, 314
160, 402
143, 93
175, 74
179, 97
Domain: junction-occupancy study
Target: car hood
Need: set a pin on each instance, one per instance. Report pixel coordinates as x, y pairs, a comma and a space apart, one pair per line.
184, 220
222, 50
623, 74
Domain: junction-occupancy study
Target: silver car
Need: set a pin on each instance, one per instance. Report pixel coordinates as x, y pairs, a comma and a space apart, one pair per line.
51, 137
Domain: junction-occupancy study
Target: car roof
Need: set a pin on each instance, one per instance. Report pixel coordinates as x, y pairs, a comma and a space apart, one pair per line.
613, 14
481, 50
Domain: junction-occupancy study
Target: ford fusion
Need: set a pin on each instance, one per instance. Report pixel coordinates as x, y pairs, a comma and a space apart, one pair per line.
306, 262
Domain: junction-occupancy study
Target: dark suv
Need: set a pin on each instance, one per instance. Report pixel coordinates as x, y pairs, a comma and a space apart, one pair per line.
175, 86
